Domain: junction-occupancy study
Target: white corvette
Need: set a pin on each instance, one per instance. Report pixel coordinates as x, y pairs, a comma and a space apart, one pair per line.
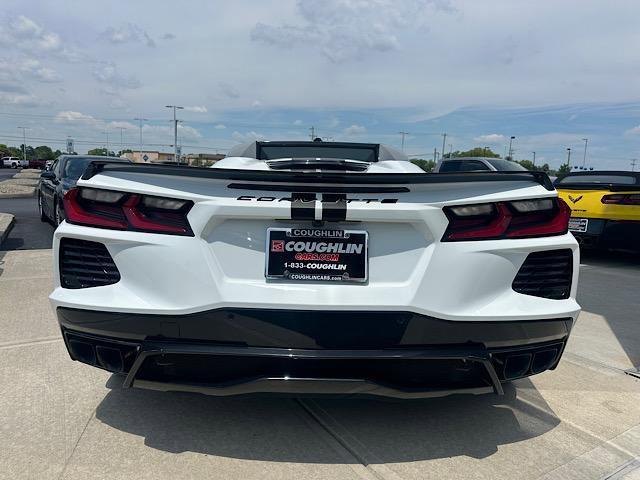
308, 267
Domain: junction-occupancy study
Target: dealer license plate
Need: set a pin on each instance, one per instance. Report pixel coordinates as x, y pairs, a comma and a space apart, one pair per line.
578, 224
317, 254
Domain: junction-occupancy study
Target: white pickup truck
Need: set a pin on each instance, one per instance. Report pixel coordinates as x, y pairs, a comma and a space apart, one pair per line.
14, 162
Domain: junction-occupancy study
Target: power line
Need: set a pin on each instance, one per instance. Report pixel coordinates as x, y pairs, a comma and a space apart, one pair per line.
101, 142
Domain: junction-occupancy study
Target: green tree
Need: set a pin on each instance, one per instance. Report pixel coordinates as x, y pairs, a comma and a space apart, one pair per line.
102, 152
474, 152
426, 165
528, 164
564, 168
44, 153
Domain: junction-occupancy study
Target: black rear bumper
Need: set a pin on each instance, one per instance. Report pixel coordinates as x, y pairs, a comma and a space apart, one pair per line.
610, 234
239, 351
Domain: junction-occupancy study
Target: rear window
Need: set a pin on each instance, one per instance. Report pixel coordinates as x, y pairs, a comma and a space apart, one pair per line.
614, 179
463, 166
506, 165
365, 153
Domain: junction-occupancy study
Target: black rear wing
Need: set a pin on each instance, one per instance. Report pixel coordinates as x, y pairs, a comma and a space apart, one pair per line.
582, 181
100, 166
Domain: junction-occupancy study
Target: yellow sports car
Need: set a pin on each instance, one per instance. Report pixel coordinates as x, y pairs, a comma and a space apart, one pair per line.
605, 207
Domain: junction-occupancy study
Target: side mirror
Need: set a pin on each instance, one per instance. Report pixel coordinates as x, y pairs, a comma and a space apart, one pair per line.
48, 174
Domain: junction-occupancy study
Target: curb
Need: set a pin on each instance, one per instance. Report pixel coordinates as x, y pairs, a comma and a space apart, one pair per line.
17, 195
7, 229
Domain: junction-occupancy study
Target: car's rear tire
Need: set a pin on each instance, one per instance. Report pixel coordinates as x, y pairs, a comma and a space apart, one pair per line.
43, 216
59, 213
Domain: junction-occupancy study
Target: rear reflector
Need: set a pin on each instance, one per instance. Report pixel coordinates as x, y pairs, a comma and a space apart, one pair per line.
622, 199
127, 211
539, 217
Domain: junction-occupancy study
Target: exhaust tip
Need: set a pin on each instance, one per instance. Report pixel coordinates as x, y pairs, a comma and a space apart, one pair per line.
110, 358
543, 360
82, 352
516, 366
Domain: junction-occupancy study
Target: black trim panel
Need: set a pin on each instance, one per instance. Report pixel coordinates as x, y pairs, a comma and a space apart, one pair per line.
334, 207
314, 329
261, 187
303, 206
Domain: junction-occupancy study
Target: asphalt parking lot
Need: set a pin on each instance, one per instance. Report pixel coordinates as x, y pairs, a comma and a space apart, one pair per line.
61, 419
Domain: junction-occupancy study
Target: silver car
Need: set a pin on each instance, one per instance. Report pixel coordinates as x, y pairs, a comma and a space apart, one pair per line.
477, 164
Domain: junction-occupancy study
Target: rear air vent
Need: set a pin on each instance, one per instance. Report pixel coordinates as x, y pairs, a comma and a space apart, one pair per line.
546, 274
86, 264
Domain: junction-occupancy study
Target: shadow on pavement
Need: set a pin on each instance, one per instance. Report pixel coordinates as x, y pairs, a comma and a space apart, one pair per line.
278, 429
610, 287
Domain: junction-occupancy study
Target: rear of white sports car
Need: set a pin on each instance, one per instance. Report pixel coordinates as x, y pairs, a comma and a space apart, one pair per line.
327, 280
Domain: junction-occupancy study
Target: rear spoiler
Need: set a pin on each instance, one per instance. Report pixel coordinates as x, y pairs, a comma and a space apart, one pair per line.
100, 166
611, 187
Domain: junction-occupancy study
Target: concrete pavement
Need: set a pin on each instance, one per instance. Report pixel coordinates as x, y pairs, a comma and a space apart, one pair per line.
61, 419
28, 232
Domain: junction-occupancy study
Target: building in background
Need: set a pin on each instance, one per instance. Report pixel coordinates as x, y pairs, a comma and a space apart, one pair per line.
202, 159
149, 156
193, 159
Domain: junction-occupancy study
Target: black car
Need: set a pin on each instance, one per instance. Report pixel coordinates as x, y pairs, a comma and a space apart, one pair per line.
63, 175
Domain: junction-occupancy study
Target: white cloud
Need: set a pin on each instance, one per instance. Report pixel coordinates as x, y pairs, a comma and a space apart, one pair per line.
247, 137
168, 36
220, 126
633, 131
197, 109
228, 90
297, 122
70, 116
184, 131
128, 33
188, 132
25, 34
20, 100
108, 73
256, 104
35, 69
355, 130
491, 138
118, 125
346, 30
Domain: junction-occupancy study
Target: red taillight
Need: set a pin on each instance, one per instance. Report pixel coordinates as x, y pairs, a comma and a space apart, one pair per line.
621, 199
517, 219
124, 211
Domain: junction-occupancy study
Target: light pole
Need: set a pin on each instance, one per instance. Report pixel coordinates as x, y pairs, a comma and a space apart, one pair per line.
534, 158
444, 139
584, 158
403, 134
450, 149
140, 120
510, 149
633, 164
175, 131
24, 142
107, 134
122, 129
569, 158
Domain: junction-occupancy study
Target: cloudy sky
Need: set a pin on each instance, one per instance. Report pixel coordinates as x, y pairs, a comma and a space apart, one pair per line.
550, 72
